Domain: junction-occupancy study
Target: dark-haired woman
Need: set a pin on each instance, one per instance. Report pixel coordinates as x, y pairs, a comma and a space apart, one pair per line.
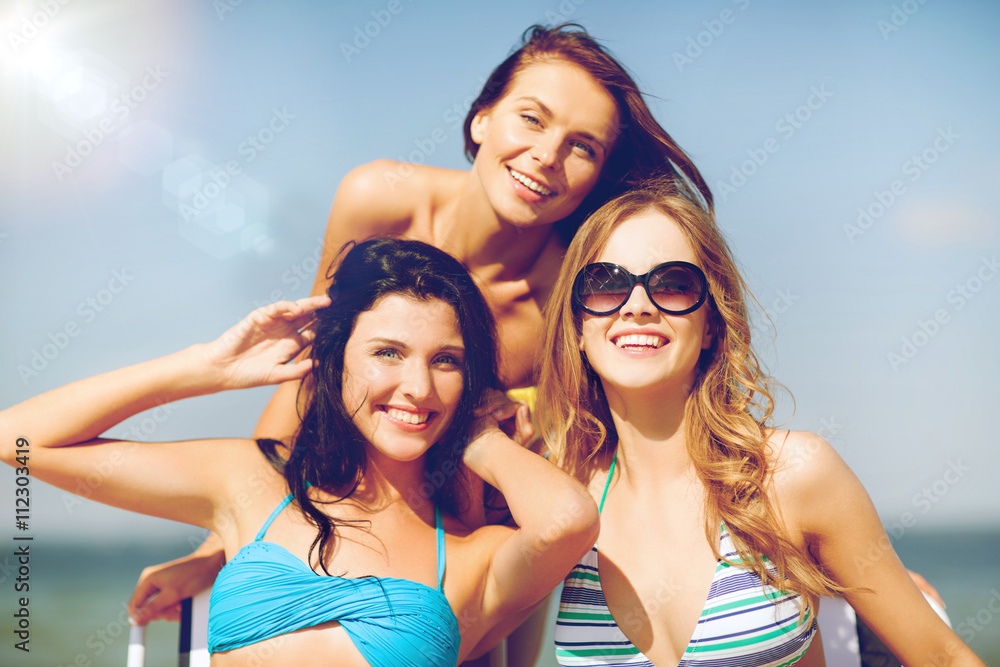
336, 545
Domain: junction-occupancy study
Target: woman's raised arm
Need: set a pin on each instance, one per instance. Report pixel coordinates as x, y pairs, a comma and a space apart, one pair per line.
556, 517
177, 481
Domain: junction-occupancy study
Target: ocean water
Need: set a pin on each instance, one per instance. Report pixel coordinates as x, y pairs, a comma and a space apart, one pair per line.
78, 591
76, 605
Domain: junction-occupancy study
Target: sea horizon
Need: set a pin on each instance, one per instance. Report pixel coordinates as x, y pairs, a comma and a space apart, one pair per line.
78, 591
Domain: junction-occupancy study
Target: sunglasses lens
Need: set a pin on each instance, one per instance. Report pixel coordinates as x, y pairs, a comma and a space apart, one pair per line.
603, 288
675, 288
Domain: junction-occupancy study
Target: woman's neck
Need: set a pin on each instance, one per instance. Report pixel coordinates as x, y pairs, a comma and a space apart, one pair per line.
387, 483
652, 437
492, 248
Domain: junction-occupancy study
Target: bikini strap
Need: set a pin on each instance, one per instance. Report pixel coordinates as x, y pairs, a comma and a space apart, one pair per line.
440, 542
277, 510
607, 483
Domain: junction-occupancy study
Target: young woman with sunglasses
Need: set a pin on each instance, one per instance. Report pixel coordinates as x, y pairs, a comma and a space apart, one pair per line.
719, 532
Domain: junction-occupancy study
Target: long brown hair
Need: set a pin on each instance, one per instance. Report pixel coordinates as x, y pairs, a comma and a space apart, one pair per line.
729, 408
642, 148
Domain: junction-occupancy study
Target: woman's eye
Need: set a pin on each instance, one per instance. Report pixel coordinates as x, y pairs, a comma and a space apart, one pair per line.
449, 360
529, 119
387, 353
585, 149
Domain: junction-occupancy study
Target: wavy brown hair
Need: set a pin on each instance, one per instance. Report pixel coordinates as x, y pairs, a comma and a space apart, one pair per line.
642, 148
729, 408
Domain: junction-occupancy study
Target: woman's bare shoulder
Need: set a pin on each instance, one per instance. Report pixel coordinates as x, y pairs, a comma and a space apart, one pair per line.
385, 196
808, 475
801, 457
393, 180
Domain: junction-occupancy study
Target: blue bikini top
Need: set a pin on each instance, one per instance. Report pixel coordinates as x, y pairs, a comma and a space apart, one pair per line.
265, 591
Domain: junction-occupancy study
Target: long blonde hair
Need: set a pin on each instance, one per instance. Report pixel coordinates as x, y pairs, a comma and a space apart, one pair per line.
728, 411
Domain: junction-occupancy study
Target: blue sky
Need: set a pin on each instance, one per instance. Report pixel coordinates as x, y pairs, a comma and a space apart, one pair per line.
852, 146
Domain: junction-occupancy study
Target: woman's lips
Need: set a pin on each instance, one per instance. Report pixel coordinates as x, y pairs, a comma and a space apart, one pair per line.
408, 420
529, 189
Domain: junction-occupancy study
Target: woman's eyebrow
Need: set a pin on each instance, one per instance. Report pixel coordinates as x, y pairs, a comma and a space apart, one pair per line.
381, 340
388, 341
548, 112
541, 104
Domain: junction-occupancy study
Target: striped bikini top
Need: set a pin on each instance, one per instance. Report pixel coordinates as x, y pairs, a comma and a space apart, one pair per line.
742, 619
266, 591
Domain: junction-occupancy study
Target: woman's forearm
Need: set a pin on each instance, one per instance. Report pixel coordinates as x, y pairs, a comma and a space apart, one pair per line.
542, 499
83, 410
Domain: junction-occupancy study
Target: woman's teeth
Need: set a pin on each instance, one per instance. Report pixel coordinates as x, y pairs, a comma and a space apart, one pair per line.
636, 340
407, 417
530, 183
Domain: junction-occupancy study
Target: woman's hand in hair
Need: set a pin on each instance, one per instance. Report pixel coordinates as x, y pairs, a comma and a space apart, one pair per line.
511, 417
260, 349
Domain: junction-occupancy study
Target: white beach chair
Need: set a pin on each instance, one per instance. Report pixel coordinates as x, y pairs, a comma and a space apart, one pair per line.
194, 631
838, 626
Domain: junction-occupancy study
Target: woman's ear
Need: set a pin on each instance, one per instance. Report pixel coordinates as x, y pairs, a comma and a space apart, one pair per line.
477, 129
711, 329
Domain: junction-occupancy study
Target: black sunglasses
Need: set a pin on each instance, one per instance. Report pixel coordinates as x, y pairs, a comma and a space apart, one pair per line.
675, 288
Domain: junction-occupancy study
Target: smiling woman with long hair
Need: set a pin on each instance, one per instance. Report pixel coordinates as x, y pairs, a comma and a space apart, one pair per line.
338, 548
719, 532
